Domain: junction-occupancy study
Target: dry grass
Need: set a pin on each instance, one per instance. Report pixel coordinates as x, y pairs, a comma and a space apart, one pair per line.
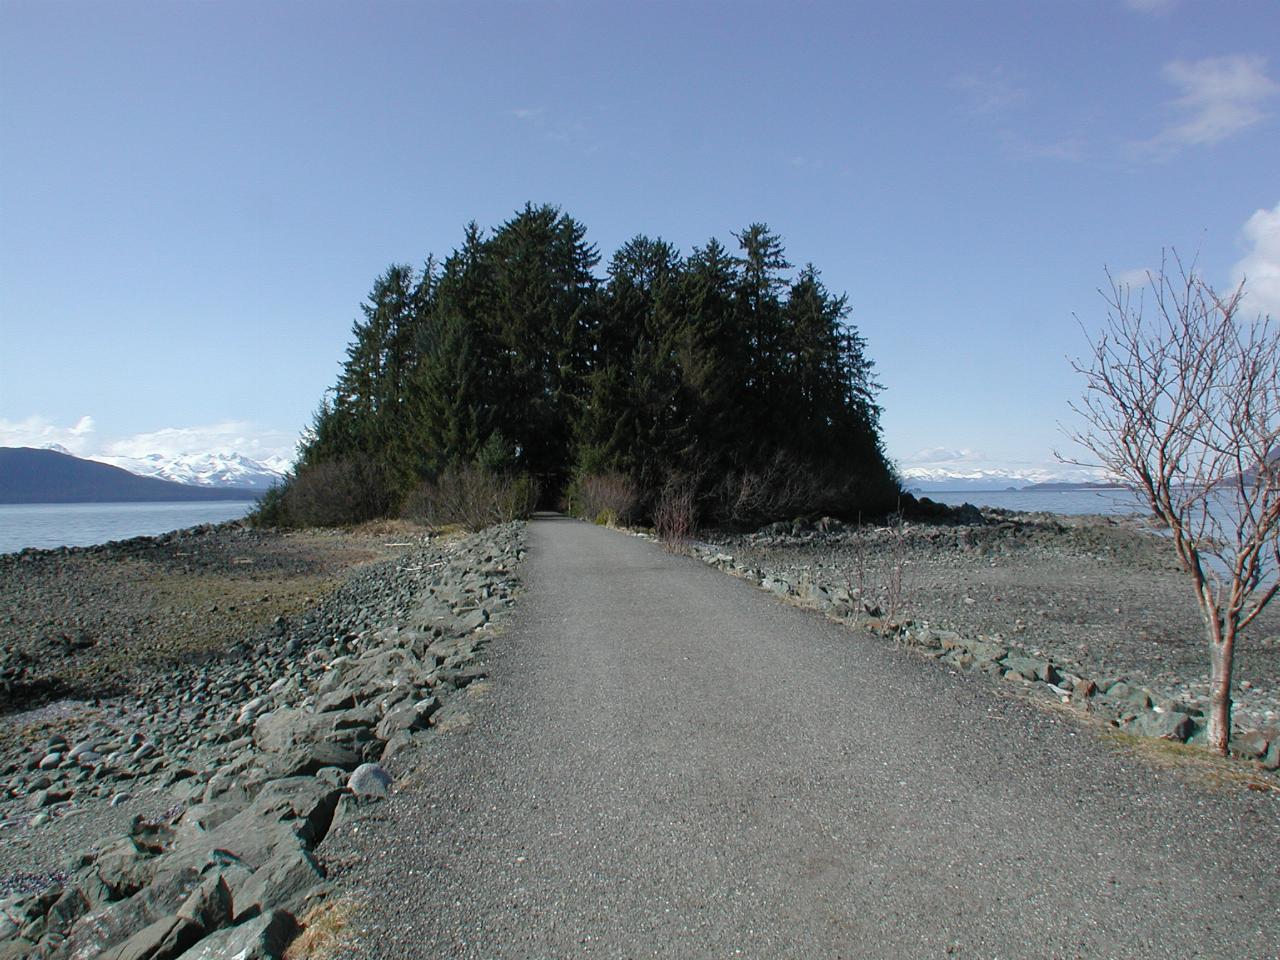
326, 930
1199, 764
392, 527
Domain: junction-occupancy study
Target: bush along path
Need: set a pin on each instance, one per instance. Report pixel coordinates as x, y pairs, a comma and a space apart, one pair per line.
803, 564
249, 763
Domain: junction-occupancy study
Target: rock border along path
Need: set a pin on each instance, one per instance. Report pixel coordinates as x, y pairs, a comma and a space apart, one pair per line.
250, 763
1133, 704
669, 763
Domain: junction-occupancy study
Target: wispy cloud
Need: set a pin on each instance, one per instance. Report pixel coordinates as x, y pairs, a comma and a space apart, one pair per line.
230, 436
39, 431
950, 456
989, 91
578, 132
1136, 277
1220, 97
1260, 266
82, 439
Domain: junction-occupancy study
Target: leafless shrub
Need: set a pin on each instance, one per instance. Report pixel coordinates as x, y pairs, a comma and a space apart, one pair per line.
606, 498
336, 493
880, 585
471, 497
894, 584
675, 512
1184, 408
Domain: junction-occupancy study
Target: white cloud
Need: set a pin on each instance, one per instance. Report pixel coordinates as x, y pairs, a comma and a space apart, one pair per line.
230, 436
82, 439
944, 455
38, 431
1136, 278
989, 91
1260, 266
1221, 97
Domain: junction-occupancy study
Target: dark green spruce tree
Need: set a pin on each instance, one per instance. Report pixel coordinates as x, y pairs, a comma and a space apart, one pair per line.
728, 373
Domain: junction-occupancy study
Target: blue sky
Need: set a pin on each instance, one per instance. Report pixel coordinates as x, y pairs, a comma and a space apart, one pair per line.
195, 197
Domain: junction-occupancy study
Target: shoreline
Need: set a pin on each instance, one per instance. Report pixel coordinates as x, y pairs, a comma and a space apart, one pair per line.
255, 740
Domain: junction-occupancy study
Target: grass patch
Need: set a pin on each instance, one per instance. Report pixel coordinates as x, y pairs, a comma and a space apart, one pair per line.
326, 930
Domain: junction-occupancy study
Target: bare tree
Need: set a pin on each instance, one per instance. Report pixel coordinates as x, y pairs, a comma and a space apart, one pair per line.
1183, 406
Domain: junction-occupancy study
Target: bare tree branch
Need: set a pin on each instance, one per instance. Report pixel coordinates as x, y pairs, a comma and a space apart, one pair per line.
1183, 407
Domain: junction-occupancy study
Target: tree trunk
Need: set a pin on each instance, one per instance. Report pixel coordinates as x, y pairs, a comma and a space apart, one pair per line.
1222, 652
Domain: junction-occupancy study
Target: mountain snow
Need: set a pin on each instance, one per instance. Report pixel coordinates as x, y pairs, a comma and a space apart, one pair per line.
926, 479
205, 469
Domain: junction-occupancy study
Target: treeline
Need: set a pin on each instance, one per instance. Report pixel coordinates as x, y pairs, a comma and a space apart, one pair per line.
725, 384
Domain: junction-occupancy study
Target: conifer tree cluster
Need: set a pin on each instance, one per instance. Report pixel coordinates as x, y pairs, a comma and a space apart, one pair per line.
728, 374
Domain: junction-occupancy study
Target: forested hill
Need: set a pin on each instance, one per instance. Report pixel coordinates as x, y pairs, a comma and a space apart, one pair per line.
730, 375
28, 475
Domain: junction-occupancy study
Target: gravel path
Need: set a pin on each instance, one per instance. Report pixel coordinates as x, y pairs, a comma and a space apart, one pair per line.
668, 763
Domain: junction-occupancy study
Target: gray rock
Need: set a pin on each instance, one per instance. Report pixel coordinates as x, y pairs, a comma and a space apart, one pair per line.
119, 922
472, 621
209, 905
370, 780
47, 798
282, 883
414, 717
1031, 668
1126, 692
1166, 725
1251, 746
1272, 759
262, 938
162, 940
49, 761
984, 651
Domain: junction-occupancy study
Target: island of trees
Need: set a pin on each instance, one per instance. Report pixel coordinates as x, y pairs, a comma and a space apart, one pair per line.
721, 386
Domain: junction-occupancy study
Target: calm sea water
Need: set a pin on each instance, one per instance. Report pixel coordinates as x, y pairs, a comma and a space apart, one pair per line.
47, 525
1054, 501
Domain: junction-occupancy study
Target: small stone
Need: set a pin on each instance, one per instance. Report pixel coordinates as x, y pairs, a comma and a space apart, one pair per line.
49, 761
119, 798
369, 780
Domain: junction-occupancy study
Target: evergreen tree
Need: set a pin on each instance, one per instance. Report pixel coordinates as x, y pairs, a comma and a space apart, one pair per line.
513, 358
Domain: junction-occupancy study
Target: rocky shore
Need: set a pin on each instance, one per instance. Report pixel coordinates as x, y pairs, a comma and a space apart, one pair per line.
194, 773
1091, 612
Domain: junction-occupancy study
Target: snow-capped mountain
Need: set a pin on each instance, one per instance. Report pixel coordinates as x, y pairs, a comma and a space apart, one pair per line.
205, 469
926, 479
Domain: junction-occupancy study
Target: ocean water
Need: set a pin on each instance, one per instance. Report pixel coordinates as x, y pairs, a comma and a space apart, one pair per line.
1052, 501
46, 525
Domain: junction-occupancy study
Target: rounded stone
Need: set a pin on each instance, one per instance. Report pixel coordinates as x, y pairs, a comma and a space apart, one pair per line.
369, 780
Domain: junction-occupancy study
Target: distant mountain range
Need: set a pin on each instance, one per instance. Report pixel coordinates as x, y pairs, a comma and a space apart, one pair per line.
200, 469
28, 475
930, 480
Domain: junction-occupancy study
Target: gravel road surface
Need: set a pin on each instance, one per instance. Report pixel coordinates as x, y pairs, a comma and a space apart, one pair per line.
665, 762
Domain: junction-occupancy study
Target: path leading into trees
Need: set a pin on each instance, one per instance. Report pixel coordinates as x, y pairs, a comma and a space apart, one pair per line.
669, 763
